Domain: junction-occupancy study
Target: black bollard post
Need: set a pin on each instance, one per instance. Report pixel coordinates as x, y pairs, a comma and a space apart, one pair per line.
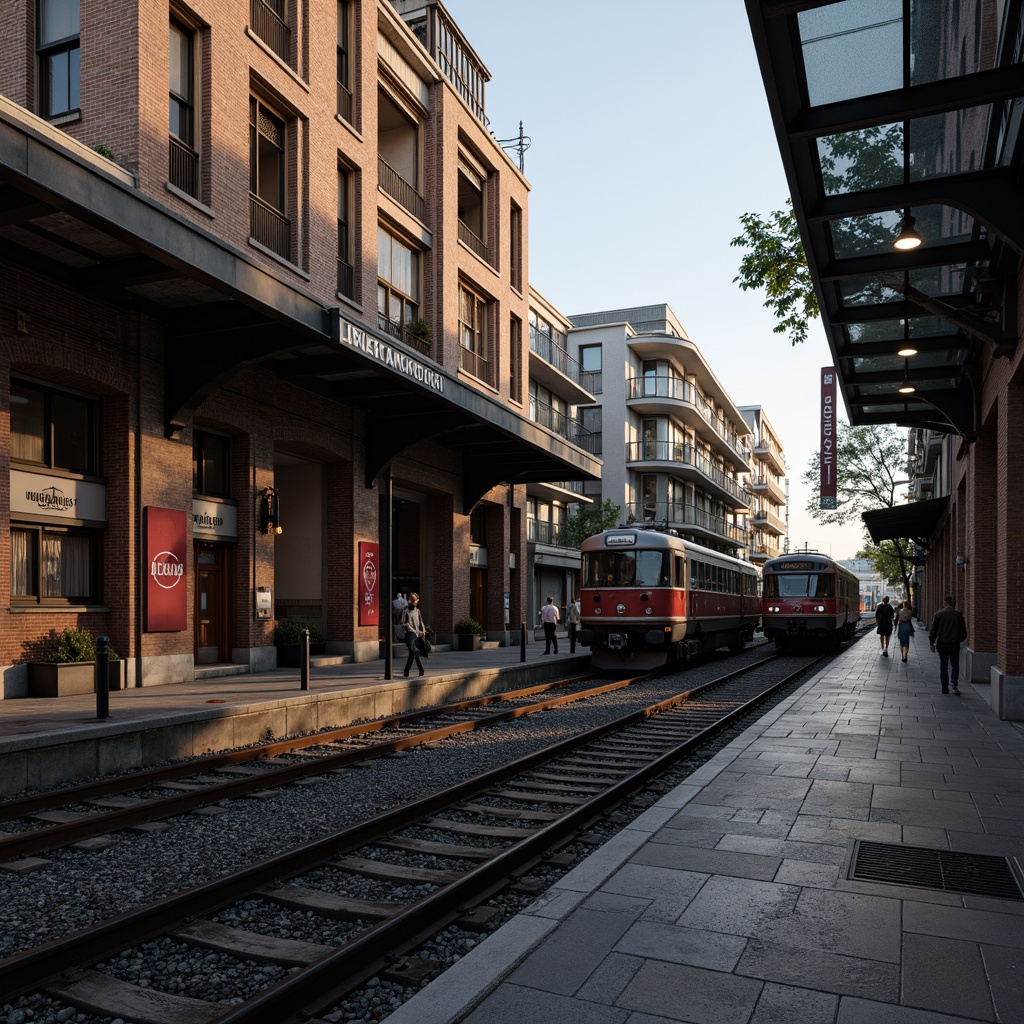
522, 642
304, 660
102, 677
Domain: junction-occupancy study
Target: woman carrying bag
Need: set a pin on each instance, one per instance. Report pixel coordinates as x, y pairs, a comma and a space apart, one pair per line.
904, 627
412, 621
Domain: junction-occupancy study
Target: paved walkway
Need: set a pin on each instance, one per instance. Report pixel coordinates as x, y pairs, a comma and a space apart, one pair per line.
728, 902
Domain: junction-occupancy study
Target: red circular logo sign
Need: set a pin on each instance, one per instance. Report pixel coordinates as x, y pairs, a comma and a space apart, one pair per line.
166, 570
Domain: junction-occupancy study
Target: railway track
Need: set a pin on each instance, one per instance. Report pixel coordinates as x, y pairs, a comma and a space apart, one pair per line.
47, 821
478, 835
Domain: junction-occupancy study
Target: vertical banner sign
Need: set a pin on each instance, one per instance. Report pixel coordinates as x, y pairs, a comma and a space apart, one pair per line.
166, 546
369, 559
828, 438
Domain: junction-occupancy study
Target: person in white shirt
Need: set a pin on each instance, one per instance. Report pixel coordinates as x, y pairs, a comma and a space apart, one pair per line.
549, 619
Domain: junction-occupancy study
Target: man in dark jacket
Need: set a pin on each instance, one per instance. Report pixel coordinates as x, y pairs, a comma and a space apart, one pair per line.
947, 631
884, 615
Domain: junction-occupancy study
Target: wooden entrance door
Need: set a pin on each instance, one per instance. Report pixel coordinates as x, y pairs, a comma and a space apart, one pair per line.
212, 598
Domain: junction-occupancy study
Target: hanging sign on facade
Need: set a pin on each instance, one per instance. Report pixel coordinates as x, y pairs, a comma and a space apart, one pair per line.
166, 547
828, 438
366, 583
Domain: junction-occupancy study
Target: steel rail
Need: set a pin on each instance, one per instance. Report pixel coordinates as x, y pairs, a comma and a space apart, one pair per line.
25, 971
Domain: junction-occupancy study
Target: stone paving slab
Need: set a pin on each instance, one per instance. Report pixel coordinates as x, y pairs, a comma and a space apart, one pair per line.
729, 901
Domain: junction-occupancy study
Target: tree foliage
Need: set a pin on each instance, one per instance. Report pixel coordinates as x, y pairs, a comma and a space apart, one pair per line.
871, 464
584, 522
775, 261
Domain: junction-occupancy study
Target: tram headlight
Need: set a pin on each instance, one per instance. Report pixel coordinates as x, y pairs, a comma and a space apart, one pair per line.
597, 609
819, 607
648, 610
620, 608
774, 608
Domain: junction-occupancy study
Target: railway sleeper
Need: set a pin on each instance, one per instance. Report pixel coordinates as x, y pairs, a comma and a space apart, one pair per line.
522, 813
344, 908
393, 872
539, 798
249, 945
437, 849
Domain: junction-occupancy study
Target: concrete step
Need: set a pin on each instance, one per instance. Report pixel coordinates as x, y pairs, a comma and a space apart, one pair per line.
212, 671
325, 660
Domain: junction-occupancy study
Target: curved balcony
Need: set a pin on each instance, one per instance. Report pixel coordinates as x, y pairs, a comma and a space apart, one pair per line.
676, 397
686, 462
766, 450
765, 483
689, 518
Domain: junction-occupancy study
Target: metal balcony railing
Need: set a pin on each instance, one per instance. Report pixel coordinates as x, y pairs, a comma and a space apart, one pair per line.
270, 227
684, 454
762, 517
469, 237
183, 167
477, 365
344, 103
416, 341
682, 514
394, 185
591, 381
271, 28
346, 279
563, 425
680, 390
555, 355
541, 532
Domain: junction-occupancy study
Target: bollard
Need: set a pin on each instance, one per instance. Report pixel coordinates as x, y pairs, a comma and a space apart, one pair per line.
522, 642
304, 660
102, 677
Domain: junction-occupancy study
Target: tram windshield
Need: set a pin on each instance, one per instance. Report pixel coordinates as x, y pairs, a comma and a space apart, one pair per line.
799, 584
625, 569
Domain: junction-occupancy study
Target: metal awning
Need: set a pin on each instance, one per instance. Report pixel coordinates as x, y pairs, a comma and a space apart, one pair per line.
917, 520
76, 219
884, 108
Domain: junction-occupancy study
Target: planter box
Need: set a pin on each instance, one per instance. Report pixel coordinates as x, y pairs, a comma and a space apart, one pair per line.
289, 655
468, 641
66, 679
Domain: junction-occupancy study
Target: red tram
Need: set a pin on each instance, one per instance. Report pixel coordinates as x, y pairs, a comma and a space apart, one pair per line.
650, 598
808, 598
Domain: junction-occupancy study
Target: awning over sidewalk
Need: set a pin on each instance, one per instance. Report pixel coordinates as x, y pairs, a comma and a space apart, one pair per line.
917, 520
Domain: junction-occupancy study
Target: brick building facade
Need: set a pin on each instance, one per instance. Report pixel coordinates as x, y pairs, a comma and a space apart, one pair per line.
292, 313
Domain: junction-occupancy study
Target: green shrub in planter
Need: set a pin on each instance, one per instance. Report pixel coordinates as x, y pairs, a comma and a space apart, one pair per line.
470, 626
289, 631
74, 645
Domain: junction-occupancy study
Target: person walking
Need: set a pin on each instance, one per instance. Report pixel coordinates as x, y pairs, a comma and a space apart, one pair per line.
549, 619
946, 633
412, 622
884, 614
572, 618
904, 627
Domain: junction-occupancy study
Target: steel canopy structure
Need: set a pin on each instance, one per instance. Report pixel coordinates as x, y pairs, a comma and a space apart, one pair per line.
890, 108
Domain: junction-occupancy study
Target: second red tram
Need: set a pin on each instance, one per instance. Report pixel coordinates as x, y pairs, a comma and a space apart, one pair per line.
808, 598
649, 598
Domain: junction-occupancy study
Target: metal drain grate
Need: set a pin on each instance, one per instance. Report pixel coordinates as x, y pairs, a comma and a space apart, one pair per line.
978, 874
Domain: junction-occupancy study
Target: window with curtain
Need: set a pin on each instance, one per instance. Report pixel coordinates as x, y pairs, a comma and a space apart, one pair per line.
57, 566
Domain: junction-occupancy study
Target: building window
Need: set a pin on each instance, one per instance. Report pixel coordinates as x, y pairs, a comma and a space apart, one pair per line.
346, 271
56, 565
211, 464
267, 165
183, 162
474, 353
515, 359
58, 57
269, 22
344, 60
472, 207
590, 364
516, 247
53, 429
397, 284
590, 429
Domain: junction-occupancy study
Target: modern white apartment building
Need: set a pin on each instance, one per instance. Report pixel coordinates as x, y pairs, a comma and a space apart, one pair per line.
767, 519
676, 447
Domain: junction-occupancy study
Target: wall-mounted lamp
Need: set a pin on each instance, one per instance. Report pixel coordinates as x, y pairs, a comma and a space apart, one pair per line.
961, 559
908, 238
270, 511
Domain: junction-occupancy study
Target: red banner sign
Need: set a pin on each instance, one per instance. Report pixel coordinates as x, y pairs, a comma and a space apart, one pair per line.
828, 438
366, 583
166, 547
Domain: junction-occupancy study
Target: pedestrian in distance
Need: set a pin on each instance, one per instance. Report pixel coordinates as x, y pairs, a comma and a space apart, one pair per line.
549, 619
904, 627
946, 633
412, 623
884, 614
572, 618
398, 607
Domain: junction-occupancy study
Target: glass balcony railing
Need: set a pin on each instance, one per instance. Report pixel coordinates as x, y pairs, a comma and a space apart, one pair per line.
681, 515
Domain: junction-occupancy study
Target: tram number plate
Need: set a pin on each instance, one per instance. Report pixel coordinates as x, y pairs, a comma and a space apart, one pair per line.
616, 641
